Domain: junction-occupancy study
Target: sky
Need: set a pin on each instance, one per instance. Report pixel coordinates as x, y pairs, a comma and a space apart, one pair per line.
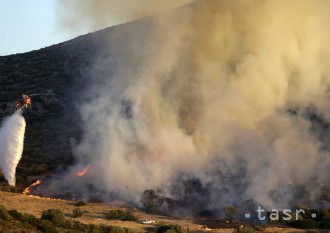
28, 25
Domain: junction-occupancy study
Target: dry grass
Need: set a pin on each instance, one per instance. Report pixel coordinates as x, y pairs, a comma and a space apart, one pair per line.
96, 213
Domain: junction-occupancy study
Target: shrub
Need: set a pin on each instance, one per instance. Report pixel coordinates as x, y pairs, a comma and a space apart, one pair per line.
114, 229
68, 224
326, 213
16, 215
80, 203
130, 217
80, 226
31, 219
4, 213
56, 216
305, 224
245, 230
75, 225
46, 227
76, 213
170, 229
121, 215
230, 212
93, 228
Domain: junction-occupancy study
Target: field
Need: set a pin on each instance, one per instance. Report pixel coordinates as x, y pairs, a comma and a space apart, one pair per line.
96, 214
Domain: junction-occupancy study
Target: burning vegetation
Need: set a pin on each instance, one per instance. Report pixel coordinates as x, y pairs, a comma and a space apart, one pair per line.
83, 171
28, 190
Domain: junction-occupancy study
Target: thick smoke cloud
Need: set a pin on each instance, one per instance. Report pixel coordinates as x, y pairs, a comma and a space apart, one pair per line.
223, 92
11, 145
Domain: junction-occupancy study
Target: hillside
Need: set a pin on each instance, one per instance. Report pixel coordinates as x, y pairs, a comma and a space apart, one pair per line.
53, 76
57, 78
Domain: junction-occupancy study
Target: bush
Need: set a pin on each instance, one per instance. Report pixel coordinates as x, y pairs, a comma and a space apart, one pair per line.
170, 229
76, 213
31, 219
16, 215
80, 203
92, 228
4, 213
68, 224
305, 224
230, 212
47, 227
115, 229
56, 216
245, 230
75, 225
121, 215
325, 213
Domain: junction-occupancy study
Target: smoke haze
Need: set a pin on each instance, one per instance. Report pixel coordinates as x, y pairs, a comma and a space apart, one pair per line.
11, 145
77, 15
223, 92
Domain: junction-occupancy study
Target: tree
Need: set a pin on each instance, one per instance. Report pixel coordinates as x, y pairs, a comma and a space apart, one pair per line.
149, 200
230, 211
56, 216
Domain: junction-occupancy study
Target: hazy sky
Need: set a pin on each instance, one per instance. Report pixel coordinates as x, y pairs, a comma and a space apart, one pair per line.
28, 25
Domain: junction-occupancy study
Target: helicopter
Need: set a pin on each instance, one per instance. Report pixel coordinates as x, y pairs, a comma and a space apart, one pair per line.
24, 102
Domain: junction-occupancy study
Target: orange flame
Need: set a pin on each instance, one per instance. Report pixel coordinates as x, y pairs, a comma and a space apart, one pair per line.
83, 172
27, 191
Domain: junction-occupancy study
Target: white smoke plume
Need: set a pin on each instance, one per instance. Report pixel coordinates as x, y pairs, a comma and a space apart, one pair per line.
233, 94
11, 145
